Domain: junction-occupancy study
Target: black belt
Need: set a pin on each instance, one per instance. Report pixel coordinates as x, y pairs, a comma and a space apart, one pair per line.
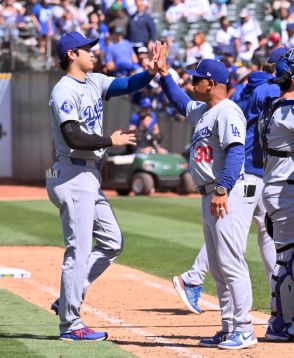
279, 153
285, 248
208, 188
87, 162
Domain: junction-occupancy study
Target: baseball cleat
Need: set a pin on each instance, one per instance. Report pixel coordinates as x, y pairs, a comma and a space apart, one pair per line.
188, 293
274, 336
84, 334
55, 306
239, 340
214, 341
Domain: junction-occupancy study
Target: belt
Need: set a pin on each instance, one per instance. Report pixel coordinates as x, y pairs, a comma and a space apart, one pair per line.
89, 163
279, 153
208, 188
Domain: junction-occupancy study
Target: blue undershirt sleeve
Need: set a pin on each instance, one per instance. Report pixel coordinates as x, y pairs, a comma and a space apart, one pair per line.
126, 85
177, 97
235, 154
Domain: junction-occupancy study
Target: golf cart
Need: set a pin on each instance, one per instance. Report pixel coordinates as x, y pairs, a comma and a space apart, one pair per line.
146, 172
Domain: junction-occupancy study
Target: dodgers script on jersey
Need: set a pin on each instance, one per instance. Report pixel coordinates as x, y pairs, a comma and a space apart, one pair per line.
72, 100
279, 136
215, 129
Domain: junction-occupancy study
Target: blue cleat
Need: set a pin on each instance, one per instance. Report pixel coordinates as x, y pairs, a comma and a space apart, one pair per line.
84, 334
239, 340
274, 336
189, 294
214, 341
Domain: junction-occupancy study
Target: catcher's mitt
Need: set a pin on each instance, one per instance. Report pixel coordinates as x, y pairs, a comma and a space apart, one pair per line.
268, 225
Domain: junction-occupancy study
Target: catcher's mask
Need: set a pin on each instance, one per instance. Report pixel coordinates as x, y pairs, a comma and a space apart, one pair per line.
284, 68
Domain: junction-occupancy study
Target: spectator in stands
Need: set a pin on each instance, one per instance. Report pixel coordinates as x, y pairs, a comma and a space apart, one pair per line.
247, 28
290, 31
196, 9
108, 3
117, 16
241, 79
225, 36
274, 41
261, 54
70, 15
145, 120
120, 57
174, 51
66, 23
97, 28
143, 56
245, 56
218, 10
200, 48
277, 4
131, 7
280, 23
175, 12
12, 20
43, 20
141, 28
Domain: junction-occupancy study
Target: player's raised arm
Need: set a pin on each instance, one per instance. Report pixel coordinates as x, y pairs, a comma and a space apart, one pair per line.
134, 83
178, 98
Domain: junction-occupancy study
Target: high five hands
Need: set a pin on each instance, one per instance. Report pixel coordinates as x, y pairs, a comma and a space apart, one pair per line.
158, 61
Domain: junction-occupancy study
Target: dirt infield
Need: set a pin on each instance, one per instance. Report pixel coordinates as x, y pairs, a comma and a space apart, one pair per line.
19, 192
141, 313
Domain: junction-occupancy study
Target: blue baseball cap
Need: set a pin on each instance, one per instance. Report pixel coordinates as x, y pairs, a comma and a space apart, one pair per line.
145, 103
212, 70
71, 41
277, 54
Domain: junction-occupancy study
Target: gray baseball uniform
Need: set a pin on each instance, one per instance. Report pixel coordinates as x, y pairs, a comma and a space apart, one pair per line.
278, 196
73, 185
196, 275
226, 238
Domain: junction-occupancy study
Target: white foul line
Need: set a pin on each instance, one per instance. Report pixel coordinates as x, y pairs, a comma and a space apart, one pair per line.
183, 352
171, 291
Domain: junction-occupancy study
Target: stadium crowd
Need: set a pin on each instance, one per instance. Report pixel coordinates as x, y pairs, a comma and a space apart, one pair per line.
127, 32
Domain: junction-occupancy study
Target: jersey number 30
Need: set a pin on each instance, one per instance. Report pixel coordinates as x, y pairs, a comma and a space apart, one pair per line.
204, 153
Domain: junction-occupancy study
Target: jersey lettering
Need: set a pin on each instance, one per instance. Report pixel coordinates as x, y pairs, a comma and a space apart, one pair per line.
204, 154
235, 131
201, 133
93, 114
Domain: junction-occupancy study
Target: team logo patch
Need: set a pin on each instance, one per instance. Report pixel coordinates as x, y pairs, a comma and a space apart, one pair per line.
66, 107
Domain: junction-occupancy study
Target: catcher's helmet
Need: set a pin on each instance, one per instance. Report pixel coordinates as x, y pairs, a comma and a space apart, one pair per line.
285, 68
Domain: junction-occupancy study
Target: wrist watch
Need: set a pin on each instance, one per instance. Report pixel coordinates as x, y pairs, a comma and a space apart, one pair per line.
221, 190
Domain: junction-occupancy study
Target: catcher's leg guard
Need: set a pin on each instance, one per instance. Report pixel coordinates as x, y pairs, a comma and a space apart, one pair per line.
283, 295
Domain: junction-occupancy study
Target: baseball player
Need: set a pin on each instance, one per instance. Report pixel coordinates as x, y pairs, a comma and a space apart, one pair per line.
277, 137
251, 101
216, 164
73, 183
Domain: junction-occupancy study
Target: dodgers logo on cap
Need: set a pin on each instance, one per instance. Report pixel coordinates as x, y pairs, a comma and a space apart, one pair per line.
71, 41
211, 70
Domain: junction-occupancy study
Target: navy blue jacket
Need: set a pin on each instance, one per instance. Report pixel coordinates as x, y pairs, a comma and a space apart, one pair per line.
141, 28
251, 100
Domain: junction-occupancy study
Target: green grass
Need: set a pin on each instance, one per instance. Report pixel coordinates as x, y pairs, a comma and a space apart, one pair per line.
163, 235
18, 337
